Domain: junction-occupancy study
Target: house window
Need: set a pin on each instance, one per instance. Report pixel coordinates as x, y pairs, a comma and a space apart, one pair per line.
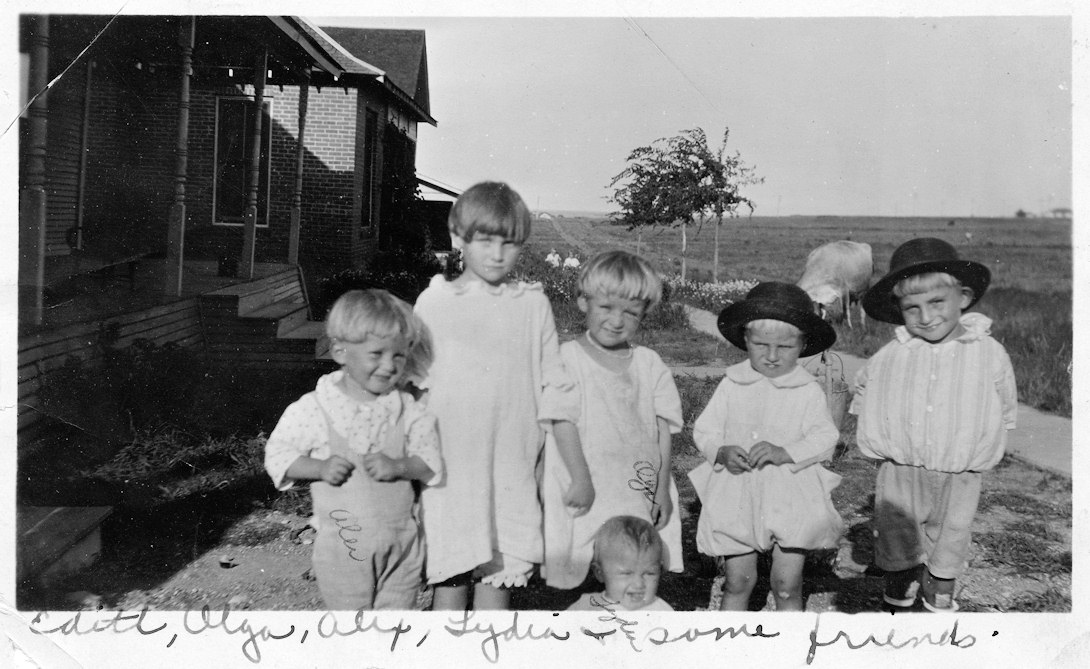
370, 176
234, 148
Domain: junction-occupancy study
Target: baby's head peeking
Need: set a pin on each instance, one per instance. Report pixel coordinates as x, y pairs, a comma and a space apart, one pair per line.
628, 560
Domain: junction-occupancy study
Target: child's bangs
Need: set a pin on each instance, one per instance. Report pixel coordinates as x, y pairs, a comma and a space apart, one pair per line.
921, 283
623, 276
773, 326
358, 314
491, 209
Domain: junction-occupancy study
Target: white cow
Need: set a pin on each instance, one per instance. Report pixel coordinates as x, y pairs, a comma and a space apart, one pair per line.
837, 274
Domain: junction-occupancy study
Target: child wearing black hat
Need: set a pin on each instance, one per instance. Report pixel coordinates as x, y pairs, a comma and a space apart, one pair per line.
764, 434
934, 404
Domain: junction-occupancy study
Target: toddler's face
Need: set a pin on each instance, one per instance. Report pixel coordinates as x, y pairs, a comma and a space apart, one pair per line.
631, 578
772, 352
611, 321
374, 364
489, 258
934, 315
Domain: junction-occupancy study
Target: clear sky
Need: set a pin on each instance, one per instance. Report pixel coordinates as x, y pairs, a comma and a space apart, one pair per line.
941, 116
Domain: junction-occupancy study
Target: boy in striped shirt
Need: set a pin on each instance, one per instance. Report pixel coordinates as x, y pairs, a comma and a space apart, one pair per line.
934, 404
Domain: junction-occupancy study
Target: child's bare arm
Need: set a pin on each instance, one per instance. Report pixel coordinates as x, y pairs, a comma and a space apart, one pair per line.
382, 467
334, 470
580, 494
663, 506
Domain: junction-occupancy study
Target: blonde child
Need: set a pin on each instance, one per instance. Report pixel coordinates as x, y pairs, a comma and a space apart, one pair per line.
764, 433
628, 409
628, 561
493, 388
934, 406
361, 440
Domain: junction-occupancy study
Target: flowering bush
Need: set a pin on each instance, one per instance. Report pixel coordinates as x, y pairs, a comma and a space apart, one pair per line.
708, 296
560, 283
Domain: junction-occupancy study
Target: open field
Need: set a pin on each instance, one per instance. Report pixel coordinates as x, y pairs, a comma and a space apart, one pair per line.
1031, 254
1029, 299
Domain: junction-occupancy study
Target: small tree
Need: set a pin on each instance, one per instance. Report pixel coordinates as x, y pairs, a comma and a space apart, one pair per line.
728, 173
674, 180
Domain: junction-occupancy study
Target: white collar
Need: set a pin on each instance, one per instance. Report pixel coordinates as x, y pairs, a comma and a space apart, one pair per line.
743, 373
976, 326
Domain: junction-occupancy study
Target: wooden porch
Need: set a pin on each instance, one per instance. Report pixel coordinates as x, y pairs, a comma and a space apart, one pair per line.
262, 321
80, 289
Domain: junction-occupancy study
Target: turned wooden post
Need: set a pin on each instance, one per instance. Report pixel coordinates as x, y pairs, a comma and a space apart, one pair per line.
32, 199
297, 193
249, 234
187, 32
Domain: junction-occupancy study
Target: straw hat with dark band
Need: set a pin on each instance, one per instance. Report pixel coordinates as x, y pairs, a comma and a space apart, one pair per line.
923, 255
782, 302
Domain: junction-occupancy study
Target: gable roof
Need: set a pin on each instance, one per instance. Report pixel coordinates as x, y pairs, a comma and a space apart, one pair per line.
401, 54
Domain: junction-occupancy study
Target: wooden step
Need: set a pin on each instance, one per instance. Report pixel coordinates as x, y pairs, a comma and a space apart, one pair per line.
258, 293
314, 330
287, 314
55, 541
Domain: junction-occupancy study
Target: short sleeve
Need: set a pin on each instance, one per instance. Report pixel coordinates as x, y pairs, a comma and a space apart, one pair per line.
667, 400
819, 434
422, 437
558, 402
860, 385
301, 431
1008, 388
709, 431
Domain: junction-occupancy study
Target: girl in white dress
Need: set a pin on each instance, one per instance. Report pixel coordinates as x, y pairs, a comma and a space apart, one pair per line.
497, 383
628, 409
764, 433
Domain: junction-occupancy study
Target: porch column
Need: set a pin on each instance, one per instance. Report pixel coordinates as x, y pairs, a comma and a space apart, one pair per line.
187, 32
297, 194
32, 199
249, 235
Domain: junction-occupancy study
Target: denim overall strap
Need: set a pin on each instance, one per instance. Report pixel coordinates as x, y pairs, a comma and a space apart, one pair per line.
368, 551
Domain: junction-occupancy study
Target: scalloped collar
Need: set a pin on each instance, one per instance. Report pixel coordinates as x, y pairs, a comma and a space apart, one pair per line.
743, 374
512, 288
977, 326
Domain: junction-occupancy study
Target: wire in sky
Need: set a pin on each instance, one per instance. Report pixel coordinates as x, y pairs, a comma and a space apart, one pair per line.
632, 22
64, 71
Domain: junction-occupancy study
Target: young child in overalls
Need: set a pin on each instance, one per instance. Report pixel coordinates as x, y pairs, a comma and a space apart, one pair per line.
361, 440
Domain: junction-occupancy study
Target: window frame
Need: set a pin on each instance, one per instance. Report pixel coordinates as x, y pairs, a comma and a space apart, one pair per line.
264, 196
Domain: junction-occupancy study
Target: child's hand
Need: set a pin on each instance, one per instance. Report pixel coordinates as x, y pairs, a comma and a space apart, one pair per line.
579, 497
661, 508
763, 453
381, 467
336, 470
733, 458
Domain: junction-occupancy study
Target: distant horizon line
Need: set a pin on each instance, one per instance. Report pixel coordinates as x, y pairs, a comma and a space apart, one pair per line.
597, 213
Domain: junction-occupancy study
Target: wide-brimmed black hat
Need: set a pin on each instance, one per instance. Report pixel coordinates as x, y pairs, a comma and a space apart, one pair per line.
922, 256
782, 302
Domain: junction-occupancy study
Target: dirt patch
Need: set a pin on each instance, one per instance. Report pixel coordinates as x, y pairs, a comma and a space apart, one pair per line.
1020, 559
